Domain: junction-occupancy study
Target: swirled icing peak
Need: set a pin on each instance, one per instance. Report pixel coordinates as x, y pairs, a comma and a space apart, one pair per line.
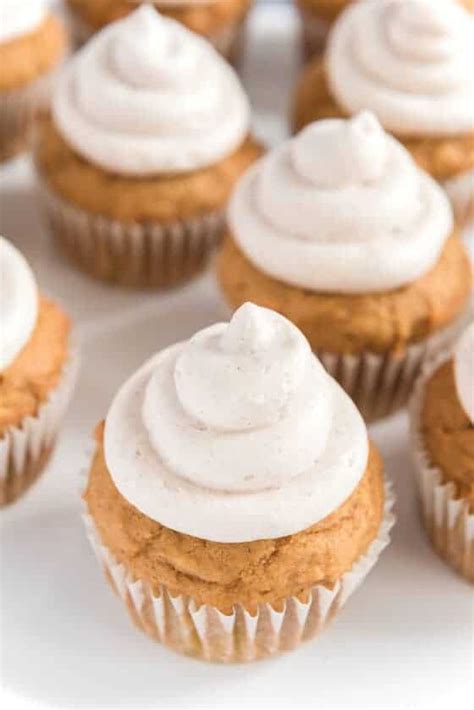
147, 96
333, 154
238, 434
18, 19
18, 303
464, 371
341, 207
408, 61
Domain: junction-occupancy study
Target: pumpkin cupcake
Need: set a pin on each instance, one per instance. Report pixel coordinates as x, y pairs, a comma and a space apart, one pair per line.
234, 498
149, 132
37, 372
409, 62
317, 17
32, 45
221, 22
341, 232
442, 417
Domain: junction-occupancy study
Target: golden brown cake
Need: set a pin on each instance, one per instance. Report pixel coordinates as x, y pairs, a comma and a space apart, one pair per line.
447, 433
27, 383
137, 196
220, 574
37, 372
219, 20
340, 231
27, 67
442, 426
134, 199
205, 545
352, 324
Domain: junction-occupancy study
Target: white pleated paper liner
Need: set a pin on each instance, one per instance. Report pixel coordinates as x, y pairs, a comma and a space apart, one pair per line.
204, 632
135, 254
381, 384
446, 516
19, 109
314, 32
460, 190
25, 448
228, 40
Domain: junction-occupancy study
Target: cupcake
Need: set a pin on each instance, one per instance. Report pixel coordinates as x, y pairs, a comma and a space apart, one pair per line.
341, 232
409, 62
149, 132
442, 418
32, 45
221, 22
317, 16
234, 498
37, 371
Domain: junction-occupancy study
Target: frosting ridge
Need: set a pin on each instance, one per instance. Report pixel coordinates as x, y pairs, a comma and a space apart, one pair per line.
408, 61
238, 434
18, 302
147, 96
323, 209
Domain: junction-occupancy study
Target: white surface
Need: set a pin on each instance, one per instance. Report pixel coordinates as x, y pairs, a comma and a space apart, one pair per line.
405, 641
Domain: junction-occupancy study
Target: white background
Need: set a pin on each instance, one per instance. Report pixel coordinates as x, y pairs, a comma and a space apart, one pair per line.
405, 639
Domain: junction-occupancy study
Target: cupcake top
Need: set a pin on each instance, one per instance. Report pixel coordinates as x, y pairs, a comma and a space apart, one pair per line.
20, 18
146, 96
341, 208
18, 303
464, 371
409, 61
237, 435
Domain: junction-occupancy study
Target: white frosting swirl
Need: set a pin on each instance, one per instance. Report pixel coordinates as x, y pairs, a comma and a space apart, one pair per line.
464, 371
409, 61
18, 303
20, 18
147, 96
340, 208
237, 435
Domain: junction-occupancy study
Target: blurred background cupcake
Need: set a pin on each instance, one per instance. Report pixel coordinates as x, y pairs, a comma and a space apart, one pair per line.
317, 17
37, 374
410, 62
150, 130
33, 43
219, 21
340, 231
234, 499
442, 418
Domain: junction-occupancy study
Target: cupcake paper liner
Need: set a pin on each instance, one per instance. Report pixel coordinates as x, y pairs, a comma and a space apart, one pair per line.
25, 448
382, 384
228, 41
314, 33
446, 516
19, 109
204, 632
141, 255
460, 191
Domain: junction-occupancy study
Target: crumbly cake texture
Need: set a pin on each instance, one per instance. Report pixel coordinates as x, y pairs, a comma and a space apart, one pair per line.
133, 199
224, 574
36, 371
24, 59
328, 10
384, 322
205, 19
448, 435
441, 157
